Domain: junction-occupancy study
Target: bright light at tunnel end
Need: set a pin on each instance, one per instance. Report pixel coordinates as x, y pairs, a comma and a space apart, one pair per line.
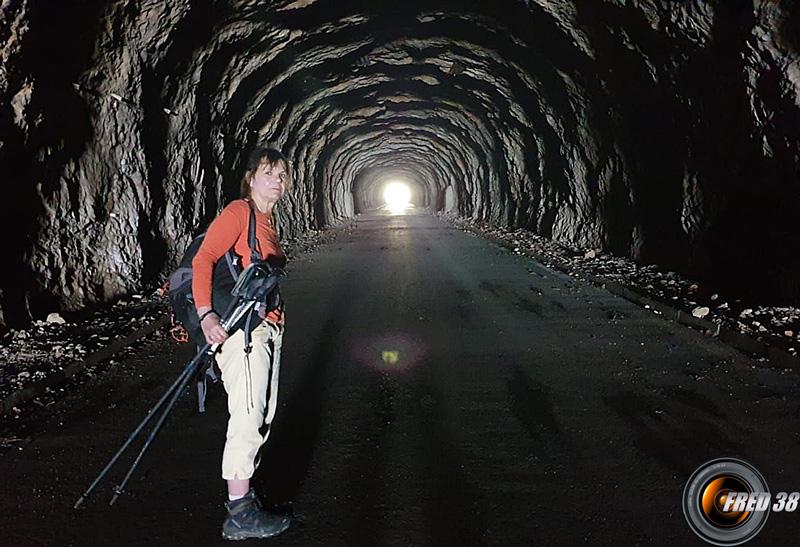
397, 196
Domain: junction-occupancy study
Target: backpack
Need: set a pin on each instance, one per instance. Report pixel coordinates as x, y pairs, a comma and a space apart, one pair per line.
226, 272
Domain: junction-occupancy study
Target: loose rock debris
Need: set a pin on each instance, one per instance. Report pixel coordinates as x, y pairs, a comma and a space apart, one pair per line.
47, 346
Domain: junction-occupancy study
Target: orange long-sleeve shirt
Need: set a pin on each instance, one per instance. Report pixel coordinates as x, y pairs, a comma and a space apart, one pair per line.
229, 230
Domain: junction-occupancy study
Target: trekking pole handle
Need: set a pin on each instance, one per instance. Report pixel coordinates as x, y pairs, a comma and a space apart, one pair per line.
229, 321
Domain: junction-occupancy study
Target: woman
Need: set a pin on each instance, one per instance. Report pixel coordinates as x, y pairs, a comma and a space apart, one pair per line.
250, 378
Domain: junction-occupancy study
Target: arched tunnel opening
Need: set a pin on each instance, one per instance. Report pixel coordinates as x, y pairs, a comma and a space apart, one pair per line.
394, 188
594, 124
641, 149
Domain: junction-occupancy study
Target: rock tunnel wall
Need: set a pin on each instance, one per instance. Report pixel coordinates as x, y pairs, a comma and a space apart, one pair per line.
666, 131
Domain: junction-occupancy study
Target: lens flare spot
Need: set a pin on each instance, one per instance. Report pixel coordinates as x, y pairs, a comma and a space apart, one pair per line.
395, 352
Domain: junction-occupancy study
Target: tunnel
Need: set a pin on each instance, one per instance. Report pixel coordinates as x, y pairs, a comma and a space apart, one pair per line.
665, 132
542, 282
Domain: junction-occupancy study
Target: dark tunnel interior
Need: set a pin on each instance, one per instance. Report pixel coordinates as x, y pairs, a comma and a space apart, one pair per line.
666, 132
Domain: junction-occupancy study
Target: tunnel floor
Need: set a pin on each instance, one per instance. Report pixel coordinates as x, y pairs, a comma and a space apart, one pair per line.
436, 389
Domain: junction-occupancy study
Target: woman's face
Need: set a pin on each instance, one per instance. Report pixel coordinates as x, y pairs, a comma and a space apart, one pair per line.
268, 182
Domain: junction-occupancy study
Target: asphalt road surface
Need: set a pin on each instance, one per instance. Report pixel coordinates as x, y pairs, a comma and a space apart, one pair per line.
436, 389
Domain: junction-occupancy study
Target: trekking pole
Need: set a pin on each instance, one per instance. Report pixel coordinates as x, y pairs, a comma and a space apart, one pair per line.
119, 489
135, 433
239, 312
173, 394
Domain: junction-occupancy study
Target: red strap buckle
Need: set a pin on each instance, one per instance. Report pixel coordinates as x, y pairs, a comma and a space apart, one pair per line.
179, 334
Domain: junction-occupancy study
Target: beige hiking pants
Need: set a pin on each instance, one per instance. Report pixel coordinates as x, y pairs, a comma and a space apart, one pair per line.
252, 396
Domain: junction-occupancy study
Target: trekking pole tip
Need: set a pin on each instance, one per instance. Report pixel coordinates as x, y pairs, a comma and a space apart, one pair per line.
79, 502
117, 492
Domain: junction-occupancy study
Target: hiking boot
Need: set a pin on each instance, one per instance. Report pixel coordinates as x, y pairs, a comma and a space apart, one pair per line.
247, 519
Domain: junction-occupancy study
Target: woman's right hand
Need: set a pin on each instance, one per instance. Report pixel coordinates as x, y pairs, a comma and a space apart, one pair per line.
212, 329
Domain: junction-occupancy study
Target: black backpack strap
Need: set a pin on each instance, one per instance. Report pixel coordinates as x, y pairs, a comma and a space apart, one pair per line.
231, 263
202, 390
248, 348
252, 241
255, 256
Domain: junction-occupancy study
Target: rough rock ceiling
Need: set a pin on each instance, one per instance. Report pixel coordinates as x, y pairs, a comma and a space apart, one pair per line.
665, 131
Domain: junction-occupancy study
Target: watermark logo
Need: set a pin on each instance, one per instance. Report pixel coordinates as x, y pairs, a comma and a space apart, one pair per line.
727, 502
